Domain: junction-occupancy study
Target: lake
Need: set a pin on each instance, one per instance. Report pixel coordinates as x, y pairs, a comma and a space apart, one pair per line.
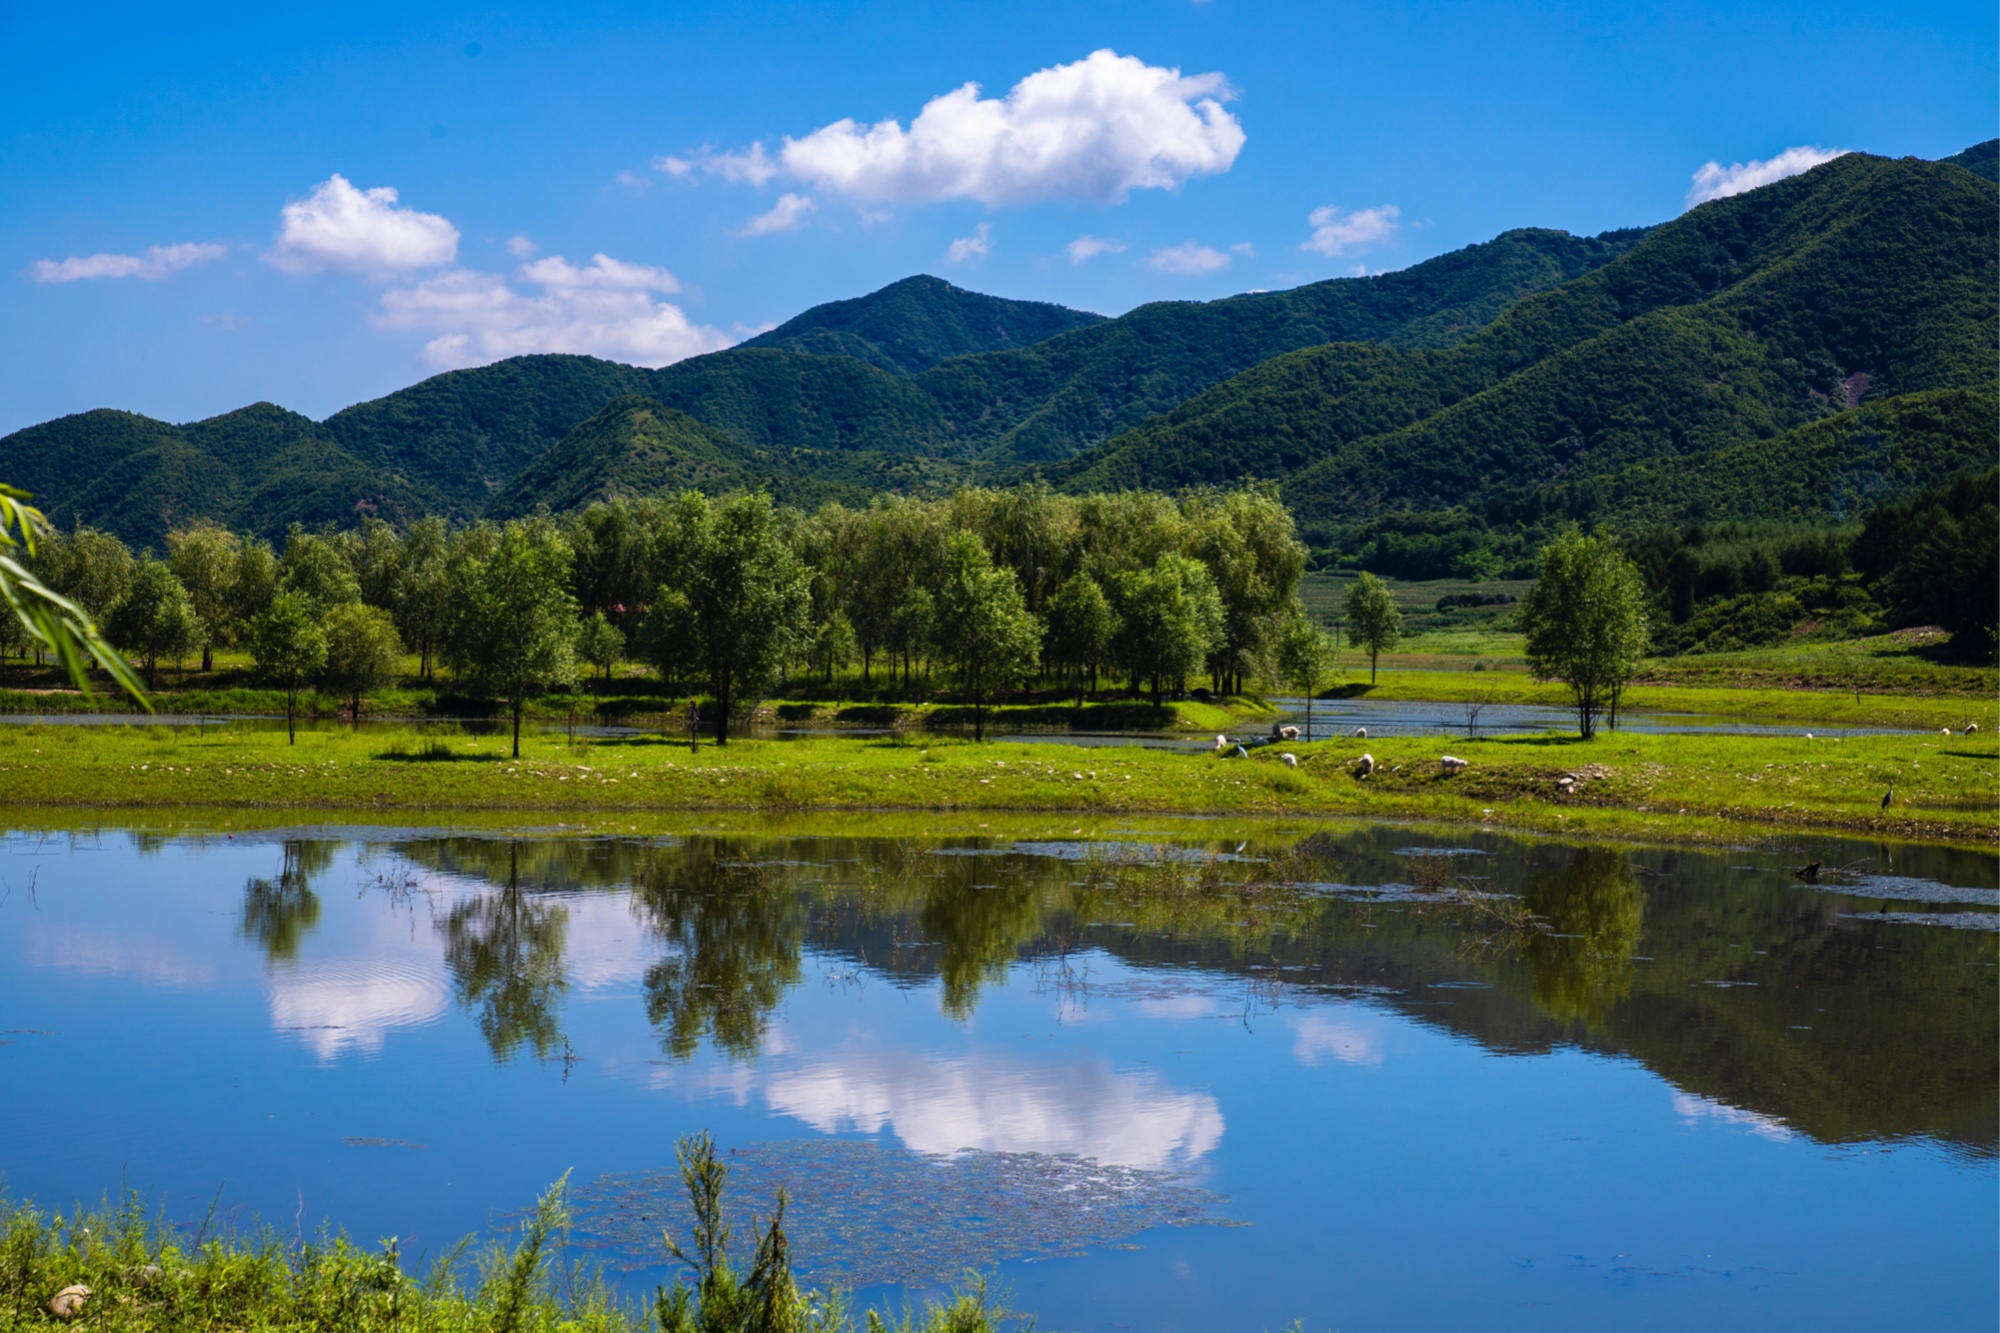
1166, 1075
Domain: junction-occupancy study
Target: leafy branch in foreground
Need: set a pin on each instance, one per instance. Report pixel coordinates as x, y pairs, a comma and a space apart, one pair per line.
49, 618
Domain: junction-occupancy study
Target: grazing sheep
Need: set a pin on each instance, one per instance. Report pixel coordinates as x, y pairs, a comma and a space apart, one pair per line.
1361, 733
1947, 731
1221, 744
1289, 760
1365, 767
1284, 733
1971, 727
1451, 763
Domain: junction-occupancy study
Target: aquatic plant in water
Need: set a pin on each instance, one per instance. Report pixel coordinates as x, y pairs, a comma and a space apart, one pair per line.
860, 1213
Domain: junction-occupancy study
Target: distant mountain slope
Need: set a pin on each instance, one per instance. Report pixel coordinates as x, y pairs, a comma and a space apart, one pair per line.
634, 446
258, 468
1740, 320
1076, 390
913, 324
1982, 159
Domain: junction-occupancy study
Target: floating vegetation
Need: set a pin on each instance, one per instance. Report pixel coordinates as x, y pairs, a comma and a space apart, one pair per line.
861, 1214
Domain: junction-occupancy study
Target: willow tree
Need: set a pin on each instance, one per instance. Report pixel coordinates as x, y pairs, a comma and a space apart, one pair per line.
44, 615
515, 626
735, 603
985, 635
1586, 622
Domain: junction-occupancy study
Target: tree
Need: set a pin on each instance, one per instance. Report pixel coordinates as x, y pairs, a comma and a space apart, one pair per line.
362, 652
289, 651
88, 567
1373, 621
422, 601
1082, 630
1586, 621
985, 635
1305, 655
46, 617
599, 643
514, 630
315, 569
1247, 540
155, 618
1171, 619
204, 558
913, 629
254, 583
736, 602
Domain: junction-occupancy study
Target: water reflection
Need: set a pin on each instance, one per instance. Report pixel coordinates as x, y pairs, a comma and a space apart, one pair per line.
505, 953
1590, 910
278, 913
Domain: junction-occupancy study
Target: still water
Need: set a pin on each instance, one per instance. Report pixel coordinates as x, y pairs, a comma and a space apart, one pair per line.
1178, 1076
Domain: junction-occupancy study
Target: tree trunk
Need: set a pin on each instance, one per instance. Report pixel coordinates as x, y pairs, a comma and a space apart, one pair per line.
356, 703
722, 712
1371, 665
207, 658
291, 717
517, 728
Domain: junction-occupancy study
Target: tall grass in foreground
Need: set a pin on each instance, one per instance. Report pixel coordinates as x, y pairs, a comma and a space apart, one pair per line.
115, 1268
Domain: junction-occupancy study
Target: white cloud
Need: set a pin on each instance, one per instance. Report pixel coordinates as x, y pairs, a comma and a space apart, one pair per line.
997, 1104
753, 166
632, 181
1715, 181
788, 215
353, 1005
607, 308
1692, 1107
1320, 1036
1095, 129
1187, 258
359, 231
977, 245
157, 262
1334, 232
522, 248
1090, 247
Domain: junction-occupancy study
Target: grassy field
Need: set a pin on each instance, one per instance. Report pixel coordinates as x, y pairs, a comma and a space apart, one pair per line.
1673, 788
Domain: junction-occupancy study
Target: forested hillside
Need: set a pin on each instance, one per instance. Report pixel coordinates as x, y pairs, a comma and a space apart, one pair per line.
912, 325
817, 424
1803, 349
1711, 338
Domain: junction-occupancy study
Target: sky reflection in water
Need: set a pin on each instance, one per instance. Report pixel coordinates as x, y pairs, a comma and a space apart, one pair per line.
1702, 1094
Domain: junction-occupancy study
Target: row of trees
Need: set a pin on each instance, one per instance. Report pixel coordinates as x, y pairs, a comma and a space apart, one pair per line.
990, 588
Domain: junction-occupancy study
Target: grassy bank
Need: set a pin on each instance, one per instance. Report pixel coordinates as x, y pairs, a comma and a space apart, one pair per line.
1679, 788
1773, 705
117, 1269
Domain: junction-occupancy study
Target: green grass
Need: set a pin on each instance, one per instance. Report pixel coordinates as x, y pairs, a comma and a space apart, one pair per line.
131, 1273
1676, 788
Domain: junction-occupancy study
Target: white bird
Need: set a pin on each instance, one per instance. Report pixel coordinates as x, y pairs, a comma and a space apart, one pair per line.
1361, 733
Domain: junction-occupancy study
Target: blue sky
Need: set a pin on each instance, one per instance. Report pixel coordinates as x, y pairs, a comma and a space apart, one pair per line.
174, 240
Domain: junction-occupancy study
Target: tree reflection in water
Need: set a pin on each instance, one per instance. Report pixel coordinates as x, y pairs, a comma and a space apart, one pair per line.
735, 931
279, 913
1591, 907
505, 953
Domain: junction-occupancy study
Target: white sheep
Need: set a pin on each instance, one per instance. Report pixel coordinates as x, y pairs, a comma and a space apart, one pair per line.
1221, 744
1289, 760
1365, 767
1451, 763
1971, 727
1361, 733
1947, 731
1284, 733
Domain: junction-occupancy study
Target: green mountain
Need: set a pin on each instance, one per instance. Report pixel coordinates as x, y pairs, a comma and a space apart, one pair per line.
1736, 323
1771, 339
913, 324
1982, 159
632, 447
